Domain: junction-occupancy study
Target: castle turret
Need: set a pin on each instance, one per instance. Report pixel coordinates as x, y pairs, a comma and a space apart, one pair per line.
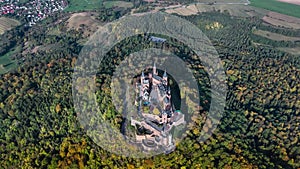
142, 77
165, 77
169, 91
164, 117
154, 70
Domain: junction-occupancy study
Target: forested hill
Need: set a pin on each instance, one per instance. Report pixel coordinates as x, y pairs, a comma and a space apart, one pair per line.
260, 127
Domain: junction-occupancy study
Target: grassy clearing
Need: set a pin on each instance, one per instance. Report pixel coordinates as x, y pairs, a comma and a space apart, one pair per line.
6, 62
7, 24
276, 6
111, 4
87, 22
83, 5
54, 31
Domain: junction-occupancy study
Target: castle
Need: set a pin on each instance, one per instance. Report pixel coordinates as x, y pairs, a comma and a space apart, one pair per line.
155, 108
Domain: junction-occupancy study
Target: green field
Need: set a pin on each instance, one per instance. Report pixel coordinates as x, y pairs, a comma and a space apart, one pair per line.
83, 5
276, 6
6, 62
123, 4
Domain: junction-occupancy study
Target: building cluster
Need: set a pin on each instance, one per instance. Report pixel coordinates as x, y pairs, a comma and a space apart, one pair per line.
156, 111
33, 10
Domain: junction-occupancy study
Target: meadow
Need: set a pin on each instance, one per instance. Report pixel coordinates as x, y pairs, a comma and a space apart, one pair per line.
123, 4
83, 5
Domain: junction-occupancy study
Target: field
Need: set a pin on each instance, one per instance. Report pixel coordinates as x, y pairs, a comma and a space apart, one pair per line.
275, 36
222, 1
6, 62
234, 10
185, 11
123, 4
83, 5
7, 24
84, 21
276, 6
281, 20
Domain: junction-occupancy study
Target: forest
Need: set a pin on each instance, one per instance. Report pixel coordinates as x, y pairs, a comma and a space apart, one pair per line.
260, 127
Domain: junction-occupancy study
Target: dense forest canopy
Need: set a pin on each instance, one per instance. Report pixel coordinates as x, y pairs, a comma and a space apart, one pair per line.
260, 127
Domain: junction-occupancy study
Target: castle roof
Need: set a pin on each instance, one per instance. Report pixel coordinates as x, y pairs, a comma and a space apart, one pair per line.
153, 125
145, 81
165, 74
166, 100
157, 77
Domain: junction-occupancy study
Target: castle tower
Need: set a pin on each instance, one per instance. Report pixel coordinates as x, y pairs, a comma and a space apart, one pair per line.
164, 117
165, 77
150, 76
142, 77
169, 92
154, 69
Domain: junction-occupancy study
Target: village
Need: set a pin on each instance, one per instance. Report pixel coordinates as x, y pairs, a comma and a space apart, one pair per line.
33, 11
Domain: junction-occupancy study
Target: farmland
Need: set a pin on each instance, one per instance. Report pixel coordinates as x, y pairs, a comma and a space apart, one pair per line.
276, 6
222, 1
7, 24
186, 11
83, 5
234, 10
281, 20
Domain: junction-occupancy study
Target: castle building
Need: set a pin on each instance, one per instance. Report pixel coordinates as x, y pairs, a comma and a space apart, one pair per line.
156, 110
